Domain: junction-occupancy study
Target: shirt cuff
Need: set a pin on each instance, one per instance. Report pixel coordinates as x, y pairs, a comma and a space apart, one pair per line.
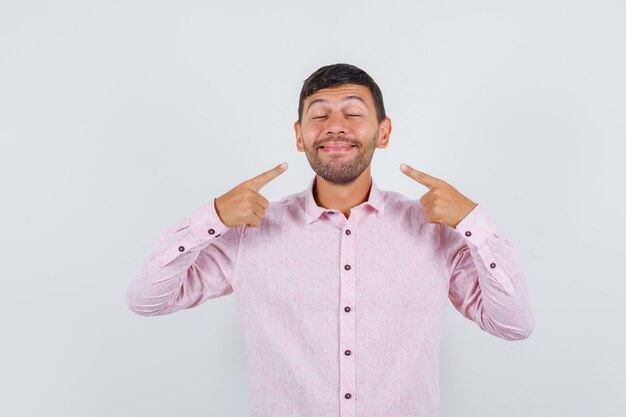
476, 226
205, 224
192, 232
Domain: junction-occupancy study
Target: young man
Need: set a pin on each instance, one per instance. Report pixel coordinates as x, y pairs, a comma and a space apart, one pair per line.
341, 288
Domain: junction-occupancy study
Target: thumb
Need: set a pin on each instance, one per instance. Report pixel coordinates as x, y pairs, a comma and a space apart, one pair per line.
263, 179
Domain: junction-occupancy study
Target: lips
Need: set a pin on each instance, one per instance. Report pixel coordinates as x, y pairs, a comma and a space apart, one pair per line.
337, 145
336, 148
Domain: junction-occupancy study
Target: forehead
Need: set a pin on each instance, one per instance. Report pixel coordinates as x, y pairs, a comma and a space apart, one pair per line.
340, 92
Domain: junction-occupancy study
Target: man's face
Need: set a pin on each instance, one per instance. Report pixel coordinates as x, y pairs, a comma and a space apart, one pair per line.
343, 115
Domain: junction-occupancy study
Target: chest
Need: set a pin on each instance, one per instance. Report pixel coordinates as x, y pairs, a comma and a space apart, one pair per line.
312, 269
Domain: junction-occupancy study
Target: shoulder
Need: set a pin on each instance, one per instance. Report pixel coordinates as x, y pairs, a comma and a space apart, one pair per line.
407, 215
288, 202
397, 203
289, 206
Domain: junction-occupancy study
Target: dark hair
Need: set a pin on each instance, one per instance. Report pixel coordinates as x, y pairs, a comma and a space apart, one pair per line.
336, 75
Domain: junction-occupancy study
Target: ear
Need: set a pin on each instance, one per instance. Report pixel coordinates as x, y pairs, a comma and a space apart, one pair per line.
299, 141
384, 130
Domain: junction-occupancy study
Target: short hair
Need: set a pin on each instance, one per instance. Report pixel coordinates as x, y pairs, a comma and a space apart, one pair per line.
338, 74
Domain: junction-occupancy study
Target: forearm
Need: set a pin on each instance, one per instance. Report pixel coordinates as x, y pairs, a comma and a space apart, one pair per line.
487, 283
180, 272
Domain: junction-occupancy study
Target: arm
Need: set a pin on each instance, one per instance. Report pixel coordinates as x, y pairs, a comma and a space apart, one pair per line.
189, 264
487, 284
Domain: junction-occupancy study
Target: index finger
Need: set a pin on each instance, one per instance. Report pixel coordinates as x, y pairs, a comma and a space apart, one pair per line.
423, 178
263, 179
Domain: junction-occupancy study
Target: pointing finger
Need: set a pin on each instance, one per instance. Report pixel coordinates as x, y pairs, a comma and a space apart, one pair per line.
263, 179
419, 176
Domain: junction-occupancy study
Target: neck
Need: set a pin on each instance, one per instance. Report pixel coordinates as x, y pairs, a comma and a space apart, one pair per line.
343, 196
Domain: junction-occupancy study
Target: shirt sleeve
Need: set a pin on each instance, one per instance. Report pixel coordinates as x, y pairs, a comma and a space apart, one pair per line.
189, 264
487, 284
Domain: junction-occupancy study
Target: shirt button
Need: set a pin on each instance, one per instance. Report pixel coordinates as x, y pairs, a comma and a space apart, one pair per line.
347, 352
181, 248
348, 231
346, 309
348, 395
468, 233
211, 231
493, 265
347, 267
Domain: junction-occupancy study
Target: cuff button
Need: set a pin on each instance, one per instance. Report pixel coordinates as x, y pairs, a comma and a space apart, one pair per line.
181, 248
468, 233
492, 265
211, 231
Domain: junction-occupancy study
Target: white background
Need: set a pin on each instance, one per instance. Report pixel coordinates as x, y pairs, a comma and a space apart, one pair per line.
119, 118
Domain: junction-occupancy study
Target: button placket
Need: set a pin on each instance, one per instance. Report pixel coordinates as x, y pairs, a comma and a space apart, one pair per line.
347, 322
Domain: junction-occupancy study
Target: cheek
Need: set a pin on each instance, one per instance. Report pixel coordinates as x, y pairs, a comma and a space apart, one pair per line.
366, 132
311, 133
364, 126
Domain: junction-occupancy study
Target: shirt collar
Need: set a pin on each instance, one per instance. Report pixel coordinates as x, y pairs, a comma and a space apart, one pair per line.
313, 211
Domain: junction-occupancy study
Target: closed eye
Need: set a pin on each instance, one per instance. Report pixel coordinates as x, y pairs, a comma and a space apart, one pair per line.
347, 115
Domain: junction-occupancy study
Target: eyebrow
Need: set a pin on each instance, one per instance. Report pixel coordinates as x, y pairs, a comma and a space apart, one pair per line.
323, 100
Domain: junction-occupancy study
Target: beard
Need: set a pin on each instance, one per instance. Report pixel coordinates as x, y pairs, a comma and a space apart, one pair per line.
338, 168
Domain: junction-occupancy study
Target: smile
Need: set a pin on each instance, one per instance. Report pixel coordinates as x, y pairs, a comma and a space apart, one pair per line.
336, 148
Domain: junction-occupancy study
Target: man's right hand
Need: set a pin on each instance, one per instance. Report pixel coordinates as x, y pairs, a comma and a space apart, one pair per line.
243, 204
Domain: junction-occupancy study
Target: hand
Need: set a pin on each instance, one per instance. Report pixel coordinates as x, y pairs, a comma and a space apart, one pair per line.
243, 204
442, 203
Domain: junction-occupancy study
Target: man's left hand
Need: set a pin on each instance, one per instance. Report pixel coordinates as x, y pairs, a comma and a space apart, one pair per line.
442, 203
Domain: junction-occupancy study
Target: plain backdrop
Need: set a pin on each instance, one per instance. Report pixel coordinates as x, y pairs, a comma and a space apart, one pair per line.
119, 118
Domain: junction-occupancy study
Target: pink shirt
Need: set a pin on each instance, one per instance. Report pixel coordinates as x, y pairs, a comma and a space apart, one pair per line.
340, 316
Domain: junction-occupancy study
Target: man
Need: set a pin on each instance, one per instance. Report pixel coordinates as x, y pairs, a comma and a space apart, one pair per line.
341, 288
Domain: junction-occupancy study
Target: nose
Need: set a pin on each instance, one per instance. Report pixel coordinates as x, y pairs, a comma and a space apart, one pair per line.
335, 124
